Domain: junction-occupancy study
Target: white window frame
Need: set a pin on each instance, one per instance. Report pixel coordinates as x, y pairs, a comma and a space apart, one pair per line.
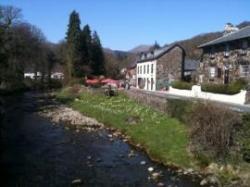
244, 70
212, 72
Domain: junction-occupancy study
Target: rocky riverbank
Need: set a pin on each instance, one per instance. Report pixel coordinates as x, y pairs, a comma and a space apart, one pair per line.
63, 114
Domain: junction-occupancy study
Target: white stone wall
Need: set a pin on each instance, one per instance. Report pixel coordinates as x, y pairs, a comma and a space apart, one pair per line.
147, 75
196, 92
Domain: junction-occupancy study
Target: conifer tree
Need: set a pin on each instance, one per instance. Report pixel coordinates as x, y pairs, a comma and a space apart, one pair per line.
73, 37
86, 47
98, 61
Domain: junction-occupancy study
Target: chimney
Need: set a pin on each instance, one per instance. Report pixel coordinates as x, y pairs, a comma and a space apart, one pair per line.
229, 28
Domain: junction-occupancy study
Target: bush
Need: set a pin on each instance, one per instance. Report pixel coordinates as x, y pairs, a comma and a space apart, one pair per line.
179, 109
76, 81
243, 137
182, 85
54, 83
212, 130
230, 89
75, 89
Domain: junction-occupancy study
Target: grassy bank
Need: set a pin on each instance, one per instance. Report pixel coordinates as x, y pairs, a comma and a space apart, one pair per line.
164, 138
169, 137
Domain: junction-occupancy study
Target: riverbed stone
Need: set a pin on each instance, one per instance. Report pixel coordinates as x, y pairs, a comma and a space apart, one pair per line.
98, 160
143, 162
156, 175
150, 169
76, 181
203, 182
160, 184
131, 154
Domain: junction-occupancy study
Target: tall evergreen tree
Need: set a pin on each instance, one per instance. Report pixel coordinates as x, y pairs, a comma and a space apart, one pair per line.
73, 37
86, 48
98, 60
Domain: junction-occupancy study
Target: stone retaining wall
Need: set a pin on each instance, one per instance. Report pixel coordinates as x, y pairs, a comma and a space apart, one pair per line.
152, 99
247, 97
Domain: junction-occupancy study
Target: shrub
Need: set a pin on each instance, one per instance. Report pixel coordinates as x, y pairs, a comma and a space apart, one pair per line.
230, 89
212, 129
75, 89
76, 81
54, 83
182, 85
243, 137
162, 84
179, 109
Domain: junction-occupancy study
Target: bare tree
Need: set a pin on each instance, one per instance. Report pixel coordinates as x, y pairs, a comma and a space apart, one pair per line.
9, 15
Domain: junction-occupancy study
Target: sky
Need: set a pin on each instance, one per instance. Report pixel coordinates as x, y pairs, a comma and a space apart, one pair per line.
124, 24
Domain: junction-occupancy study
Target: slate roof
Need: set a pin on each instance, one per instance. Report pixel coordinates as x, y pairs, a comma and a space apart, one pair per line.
132, 65
157, 53
242, 33
191, 65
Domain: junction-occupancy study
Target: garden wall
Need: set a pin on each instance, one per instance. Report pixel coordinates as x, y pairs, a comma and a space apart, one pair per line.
153, 99
196, 92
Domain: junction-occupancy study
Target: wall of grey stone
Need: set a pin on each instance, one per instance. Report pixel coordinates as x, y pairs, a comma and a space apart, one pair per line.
233, 59
170, 66
170, 63
152, 99
247, 97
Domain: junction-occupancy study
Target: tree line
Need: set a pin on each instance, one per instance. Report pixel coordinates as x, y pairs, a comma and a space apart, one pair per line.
84, 53
24, 48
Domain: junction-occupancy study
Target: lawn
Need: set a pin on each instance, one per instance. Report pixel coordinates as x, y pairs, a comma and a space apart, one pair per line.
164, 138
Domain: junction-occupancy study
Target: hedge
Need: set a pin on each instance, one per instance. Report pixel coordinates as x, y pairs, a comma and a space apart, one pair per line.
230, 89
182, 85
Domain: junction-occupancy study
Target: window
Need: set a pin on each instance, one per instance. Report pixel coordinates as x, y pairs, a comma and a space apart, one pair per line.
211, 52
152, 83
244, 70
219, 72
138, 69
212, 72
152, 68
148, 69
144, 69
244, 44
226, 52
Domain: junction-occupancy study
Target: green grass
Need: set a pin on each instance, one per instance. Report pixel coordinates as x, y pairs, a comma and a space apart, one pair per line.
164, 138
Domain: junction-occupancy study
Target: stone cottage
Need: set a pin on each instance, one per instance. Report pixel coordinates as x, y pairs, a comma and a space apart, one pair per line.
227, 58
130, 74
159, 67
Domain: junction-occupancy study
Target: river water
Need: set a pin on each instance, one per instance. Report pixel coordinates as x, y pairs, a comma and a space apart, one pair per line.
35, 152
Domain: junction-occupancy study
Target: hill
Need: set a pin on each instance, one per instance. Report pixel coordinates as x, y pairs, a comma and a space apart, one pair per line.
190, 45
140, 48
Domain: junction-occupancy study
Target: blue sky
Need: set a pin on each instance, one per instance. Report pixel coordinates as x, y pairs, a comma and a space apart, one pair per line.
123, 25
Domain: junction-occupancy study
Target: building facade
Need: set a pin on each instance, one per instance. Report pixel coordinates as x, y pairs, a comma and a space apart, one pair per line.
227, 58
156, 69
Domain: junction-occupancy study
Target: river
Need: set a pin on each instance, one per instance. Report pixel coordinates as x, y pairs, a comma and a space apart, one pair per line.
35, 152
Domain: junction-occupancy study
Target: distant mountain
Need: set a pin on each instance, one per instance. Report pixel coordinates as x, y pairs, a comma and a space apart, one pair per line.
191, 45
116, 53
243, 24
116, 60
140, 48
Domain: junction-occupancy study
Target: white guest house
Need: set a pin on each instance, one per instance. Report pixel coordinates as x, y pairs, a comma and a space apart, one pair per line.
157, 68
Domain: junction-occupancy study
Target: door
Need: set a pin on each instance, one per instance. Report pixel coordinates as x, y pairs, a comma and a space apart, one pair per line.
226, 76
